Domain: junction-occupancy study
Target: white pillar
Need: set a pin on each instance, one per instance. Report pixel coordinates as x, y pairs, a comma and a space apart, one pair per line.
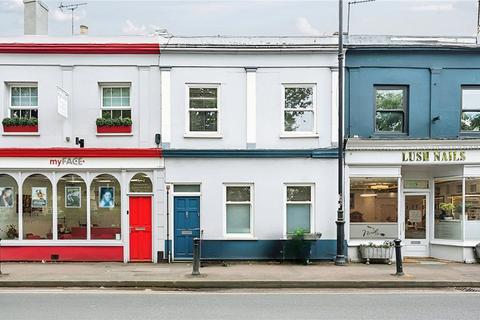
334, 72
165, 75
251, 107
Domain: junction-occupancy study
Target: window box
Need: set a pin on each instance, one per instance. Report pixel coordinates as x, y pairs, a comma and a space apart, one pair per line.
382, 252
20, 125
123, 125
299, 246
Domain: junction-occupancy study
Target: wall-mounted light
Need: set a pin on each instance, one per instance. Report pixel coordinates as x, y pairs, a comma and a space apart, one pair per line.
79, 142
158, 139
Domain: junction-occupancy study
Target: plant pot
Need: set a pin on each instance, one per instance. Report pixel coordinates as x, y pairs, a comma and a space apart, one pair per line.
114, 129
32, 128
381, 254
298, 250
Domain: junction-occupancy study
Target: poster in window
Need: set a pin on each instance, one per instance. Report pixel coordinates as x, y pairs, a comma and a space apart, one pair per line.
73, 197
6, 197
39, 197
107, 197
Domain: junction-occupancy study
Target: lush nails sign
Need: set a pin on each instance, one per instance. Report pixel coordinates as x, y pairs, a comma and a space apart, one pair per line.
434, 156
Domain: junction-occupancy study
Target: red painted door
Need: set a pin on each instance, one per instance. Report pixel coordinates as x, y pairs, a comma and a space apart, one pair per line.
140, 228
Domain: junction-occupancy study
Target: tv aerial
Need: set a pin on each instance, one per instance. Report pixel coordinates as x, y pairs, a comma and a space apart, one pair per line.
72, 7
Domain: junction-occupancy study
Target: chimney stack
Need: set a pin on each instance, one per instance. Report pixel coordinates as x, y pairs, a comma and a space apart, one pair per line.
35, 18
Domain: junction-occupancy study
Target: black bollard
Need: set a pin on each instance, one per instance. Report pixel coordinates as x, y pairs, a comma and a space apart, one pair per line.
196, 257
398, 257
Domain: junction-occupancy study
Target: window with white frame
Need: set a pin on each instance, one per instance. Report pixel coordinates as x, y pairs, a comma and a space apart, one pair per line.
238, 209
299, 204
203, 109
24, 101
470, 120
299, 109
116, 102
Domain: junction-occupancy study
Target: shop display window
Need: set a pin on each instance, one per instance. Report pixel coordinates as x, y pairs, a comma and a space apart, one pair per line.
8, 207
71, 208
373, 208
105, 209
472, 209
37, 208
448, 209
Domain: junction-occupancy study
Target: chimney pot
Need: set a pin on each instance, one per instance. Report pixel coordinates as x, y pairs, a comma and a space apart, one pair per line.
83, 29
35, 17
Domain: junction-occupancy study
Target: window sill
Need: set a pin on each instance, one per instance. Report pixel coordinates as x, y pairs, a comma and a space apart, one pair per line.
61, 243
240, 237
114, 134
34, 134
299, 135
202, 136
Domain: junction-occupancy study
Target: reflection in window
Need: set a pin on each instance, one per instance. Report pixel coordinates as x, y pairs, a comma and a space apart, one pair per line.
239, 207
390, 106
37, 208
116, 103
299, 208
141, 183
299, 112
470, 109
24, 102
72, 207
472, 209
8, 207
373, 208
448, 210
203, 109
105, 212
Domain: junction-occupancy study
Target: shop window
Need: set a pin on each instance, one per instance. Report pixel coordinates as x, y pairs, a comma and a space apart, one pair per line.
24, 101
203, 109
373, 208
37, 208
71, 208
448, 210
390, 109
116, 102
141, 183
238, 209
299, 109
105, 208
299, 208
472, 209
8, 207
470, 120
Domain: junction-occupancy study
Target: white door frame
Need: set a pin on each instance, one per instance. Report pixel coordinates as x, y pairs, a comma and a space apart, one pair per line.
416, 247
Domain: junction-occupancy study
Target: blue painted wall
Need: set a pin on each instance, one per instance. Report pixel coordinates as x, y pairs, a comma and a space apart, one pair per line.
434, 78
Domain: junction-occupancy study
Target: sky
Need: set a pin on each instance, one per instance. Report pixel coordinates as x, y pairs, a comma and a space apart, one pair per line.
247, 18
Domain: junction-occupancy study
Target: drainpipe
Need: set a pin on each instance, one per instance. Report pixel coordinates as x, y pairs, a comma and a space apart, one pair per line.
169, 255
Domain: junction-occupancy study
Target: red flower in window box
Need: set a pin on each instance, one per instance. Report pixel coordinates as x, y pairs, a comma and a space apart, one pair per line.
20, 125
123, 125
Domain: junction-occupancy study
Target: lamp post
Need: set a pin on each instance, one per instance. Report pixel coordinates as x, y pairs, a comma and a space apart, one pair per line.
340, 257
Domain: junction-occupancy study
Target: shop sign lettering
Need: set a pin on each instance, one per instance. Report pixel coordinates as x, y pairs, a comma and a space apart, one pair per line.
67, 161
434, 156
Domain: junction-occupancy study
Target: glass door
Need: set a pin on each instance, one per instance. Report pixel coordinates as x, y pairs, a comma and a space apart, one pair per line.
416, 225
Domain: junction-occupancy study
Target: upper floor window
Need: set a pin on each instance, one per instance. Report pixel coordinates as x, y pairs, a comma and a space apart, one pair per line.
116, 102
390, 109
203, 109
299, 109
470, 120
24, 101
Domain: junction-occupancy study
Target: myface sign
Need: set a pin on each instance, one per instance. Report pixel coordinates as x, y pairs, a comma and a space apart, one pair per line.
434, 156
60, 162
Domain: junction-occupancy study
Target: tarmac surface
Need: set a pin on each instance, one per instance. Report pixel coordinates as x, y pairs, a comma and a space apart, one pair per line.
418, 273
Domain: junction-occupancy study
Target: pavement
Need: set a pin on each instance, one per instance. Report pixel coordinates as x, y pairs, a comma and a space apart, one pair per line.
418, 274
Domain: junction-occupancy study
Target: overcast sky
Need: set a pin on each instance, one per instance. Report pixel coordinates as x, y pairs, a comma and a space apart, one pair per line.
315, 17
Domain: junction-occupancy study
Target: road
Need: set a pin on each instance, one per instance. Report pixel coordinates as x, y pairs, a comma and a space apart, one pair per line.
250, 305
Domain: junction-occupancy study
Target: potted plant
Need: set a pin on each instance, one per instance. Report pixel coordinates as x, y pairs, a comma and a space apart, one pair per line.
447, 210
20, 124
299, 245
117, 125
378, 252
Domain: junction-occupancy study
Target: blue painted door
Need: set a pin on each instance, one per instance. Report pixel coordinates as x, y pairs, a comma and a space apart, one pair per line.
186, 226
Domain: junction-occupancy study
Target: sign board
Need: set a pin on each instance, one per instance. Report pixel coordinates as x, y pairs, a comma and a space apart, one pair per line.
62, 102
415, 215
415, 184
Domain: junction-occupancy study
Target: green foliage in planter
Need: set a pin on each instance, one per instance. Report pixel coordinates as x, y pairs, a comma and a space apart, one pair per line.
117, 122
11, 122
386, 244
